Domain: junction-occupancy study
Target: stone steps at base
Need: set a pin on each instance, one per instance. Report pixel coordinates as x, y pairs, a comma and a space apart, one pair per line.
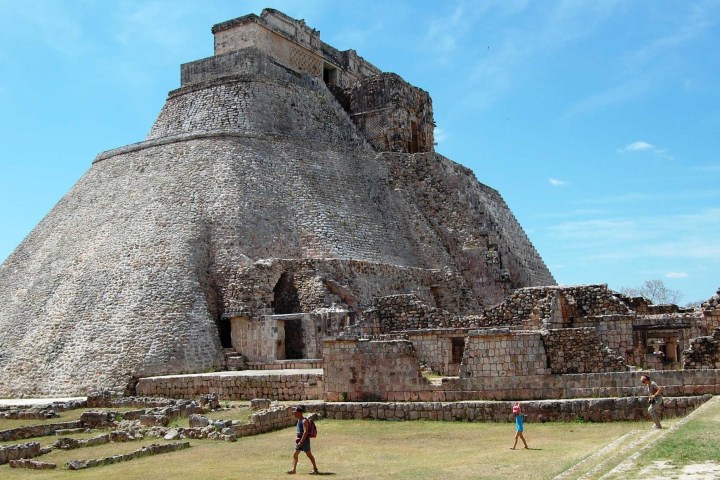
302, 363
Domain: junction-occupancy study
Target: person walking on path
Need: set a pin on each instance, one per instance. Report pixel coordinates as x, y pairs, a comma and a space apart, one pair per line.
302, 440
519, 425
655, 398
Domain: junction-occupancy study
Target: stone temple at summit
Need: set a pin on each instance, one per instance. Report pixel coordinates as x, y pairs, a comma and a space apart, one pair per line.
285, 192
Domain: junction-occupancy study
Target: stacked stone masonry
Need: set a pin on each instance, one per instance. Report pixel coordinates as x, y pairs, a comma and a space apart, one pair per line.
590, 410
307, 386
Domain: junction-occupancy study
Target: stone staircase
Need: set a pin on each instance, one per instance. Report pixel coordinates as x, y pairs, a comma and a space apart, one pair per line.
235, 361
302, 363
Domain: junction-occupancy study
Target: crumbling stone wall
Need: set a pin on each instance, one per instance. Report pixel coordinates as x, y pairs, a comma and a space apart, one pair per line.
711, 311
474, 223
555, 307
579, 350
704, 352
615, 331
407, 312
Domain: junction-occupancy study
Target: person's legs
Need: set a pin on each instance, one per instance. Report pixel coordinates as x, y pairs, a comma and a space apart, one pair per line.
654, 415
312, 460
294, 462
522, 437
517, 434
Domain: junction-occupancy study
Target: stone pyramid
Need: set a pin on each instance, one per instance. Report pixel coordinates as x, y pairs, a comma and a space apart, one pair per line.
279, 161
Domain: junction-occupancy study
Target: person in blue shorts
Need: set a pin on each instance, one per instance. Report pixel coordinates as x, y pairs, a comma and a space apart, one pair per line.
302, 440
519, 425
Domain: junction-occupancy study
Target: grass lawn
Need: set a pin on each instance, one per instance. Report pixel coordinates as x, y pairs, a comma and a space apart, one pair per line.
360, 449
694, 442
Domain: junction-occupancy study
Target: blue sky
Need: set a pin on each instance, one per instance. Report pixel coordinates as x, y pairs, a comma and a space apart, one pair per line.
597, 121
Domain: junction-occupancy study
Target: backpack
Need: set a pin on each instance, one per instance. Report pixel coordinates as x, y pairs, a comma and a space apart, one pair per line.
312, 429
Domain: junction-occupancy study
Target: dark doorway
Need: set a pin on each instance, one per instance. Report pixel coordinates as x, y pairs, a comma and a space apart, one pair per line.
294, 340
285, 299
458, 349
414, 147
329, 74
224, 330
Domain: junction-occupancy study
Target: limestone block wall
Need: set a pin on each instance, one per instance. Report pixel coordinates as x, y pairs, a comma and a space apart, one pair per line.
370, 370
306, 386
579, 350
441, 349
255, 338
246, 63
504, 353
589, 410
610, 384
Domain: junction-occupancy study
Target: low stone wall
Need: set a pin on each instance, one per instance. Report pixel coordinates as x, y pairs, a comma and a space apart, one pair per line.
274, 418
31, 464
22, 450
153, 449
31, 431
305, 386
592, 410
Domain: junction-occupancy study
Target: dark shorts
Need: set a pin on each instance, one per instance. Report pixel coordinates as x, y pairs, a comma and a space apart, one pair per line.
305, 447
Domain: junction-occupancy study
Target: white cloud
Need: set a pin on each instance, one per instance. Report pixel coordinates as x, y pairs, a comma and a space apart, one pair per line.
640, 146
676, 275
556, 183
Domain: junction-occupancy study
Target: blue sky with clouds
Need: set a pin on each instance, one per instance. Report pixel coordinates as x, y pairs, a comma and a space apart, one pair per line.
597, 121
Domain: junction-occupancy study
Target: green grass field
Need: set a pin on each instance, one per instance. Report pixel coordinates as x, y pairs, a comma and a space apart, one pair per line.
400, 450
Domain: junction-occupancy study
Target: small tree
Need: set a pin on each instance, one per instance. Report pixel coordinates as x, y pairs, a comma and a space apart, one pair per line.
655, 291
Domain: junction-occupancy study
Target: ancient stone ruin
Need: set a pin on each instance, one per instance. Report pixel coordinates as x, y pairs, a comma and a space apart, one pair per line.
288, 209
